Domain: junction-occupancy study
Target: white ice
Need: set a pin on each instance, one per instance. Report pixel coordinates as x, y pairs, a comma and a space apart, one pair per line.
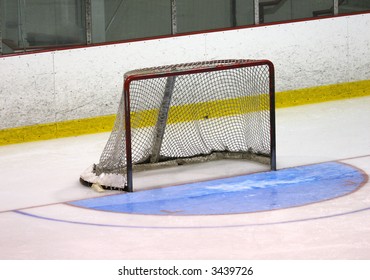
38, 178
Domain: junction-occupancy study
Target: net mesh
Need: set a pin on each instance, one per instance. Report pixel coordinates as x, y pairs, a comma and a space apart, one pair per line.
190, 115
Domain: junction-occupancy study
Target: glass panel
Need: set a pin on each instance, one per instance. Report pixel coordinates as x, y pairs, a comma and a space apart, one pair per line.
282, 10
36, 24
9, 25
58, 22
244, 12
195, 15
353, 6
127, 19
1, 27
98, 21
32, 24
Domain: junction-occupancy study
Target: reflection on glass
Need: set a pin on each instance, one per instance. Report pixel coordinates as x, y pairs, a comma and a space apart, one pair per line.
195, 15
353, 6
128, 19
283, 10
34, 24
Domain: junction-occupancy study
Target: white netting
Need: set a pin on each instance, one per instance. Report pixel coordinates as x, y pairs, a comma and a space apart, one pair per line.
210, 112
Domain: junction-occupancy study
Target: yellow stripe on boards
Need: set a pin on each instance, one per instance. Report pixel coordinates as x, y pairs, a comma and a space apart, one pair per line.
203, 110
56, 130
208, 110
322, 94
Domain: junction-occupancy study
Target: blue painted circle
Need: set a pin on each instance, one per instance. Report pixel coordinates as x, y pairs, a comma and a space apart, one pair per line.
242, 194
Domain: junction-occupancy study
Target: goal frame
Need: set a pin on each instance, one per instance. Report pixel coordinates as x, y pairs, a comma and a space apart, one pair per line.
137, 75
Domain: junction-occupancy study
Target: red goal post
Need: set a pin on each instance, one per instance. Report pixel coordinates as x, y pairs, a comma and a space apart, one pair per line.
180, 113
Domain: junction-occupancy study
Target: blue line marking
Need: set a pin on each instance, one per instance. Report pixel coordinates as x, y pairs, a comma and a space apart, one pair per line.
242, 194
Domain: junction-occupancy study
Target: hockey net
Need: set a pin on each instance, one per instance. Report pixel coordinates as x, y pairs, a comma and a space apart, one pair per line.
185, 113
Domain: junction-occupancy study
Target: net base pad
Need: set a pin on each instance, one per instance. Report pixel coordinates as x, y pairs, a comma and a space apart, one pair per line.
116, 180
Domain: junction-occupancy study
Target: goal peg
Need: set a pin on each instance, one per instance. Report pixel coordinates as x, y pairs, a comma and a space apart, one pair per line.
97, 187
